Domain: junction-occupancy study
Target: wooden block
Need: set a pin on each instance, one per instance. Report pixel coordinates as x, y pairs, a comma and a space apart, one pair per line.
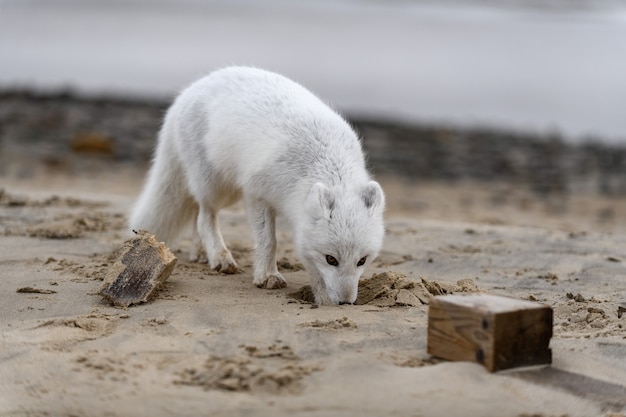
497, 332
142, 266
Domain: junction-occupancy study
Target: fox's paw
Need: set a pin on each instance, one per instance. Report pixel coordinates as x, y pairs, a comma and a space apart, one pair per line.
271, 282
228, 268
198, 256
225, 264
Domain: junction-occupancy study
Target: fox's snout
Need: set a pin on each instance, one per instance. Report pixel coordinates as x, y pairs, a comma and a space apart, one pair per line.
343, 296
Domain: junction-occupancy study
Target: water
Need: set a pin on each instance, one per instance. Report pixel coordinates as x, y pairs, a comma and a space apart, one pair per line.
558, 66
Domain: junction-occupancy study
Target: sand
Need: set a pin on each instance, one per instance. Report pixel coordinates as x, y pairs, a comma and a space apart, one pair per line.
214, 344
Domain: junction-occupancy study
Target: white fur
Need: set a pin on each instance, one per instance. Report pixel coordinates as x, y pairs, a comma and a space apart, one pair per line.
247, 133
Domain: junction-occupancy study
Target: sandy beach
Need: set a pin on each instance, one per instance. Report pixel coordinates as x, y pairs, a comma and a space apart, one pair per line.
211, 344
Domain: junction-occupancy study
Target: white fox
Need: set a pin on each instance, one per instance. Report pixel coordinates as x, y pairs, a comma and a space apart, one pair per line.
242, 132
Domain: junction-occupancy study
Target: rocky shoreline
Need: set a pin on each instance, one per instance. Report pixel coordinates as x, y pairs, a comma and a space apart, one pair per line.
57, 129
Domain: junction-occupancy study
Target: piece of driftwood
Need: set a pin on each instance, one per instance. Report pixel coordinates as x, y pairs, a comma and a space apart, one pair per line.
142, 266
497, 332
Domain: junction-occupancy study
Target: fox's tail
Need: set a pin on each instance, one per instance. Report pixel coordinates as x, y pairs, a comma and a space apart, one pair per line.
165, 206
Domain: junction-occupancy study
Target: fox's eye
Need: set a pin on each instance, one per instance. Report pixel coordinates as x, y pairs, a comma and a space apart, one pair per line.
362, 261
332, 261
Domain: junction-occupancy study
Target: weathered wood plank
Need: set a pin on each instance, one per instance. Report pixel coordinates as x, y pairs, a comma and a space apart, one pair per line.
142, 266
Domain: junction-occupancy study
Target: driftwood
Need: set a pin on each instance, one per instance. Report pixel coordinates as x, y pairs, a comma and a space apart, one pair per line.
142, 266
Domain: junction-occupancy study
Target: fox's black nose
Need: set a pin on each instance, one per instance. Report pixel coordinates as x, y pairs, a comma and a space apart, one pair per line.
344, 302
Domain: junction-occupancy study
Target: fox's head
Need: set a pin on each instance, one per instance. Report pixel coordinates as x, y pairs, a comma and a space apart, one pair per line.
342, 234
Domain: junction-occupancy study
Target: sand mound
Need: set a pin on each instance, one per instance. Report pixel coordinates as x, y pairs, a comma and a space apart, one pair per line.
75, 226
389, 289
272, 370
342, 323
55, 217
65, 333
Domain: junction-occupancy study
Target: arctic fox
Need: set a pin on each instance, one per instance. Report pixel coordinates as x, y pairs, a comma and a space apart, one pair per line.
243, 132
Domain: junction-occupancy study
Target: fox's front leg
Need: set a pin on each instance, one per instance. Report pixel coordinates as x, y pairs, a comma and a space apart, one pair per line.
262, 220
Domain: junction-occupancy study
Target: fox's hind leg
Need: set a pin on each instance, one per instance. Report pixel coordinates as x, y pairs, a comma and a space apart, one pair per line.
196, 251
262, 220
219, 256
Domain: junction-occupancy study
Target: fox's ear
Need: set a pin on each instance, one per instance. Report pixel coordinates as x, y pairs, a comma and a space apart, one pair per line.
373, 197
320, 202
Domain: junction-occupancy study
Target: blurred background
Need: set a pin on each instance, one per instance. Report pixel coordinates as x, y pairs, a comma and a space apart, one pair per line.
532, 92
